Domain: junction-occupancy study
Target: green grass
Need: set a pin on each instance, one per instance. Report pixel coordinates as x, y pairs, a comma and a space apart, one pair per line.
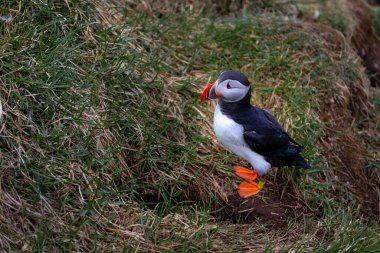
104, 145
375, 12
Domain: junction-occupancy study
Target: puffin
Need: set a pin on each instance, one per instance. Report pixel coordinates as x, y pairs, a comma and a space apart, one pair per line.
250, 132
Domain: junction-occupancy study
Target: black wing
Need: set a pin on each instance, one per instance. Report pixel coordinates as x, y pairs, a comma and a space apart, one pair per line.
266, 144
272, 139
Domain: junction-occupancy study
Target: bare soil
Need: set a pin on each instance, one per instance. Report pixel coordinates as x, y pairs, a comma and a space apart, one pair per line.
365, 39
374, 2
274, 205
349, 154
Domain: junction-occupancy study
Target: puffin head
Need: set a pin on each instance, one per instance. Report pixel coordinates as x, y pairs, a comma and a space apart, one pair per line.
231, 86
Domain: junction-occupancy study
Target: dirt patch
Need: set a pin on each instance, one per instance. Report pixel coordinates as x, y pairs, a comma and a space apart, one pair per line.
348, 151
274, 205
374, 2
365, 40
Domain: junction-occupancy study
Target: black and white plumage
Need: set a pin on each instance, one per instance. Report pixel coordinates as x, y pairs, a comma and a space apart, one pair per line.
250, 132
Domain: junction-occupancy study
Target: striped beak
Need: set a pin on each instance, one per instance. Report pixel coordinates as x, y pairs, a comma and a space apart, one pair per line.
209, 92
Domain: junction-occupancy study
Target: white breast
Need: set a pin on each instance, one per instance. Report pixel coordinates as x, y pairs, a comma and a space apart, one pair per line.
230, 134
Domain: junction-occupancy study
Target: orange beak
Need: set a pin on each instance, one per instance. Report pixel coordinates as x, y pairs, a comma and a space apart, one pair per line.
210, 93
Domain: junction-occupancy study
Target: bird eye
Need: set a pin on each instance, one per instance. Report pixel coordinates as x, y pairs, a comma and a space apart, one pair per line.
228, 86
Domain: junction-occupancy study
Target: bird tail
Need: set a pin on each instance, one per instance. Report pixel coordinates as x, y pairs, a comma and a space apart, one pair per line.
292, 157
299, 161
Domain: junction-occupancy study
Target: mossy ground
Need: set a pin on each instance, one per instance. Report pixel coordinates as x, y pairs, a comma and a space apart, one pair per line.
105, 145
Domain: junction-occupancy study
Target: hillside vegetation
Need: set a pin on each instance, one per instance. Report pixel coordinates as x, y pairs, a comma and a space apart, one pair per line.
106, 147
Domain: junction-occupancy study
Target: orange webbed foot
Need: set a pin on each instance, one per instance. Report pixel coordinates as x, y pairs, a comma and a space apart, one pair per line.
248, 189
245, 173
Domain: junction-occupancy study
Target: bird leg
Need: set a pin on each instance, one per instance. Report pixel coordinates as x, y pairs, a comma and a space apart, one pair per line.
250, 187
261, 182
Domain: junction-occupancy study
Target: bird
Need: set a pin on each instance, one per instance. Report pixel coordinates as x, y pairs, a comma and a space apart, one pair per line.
250, 132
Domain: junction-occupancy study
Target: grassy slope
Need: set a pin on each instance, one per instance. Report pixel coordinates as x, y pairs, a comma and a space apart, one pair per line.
105, 145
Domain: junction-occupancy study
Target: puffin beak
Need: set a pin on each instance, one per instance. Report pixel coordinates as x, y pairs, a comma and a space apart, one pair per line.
209, 92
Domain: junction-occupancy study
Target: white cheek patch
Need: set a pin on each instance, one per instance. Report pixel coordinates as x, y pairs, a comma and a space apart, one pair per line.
235, 93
